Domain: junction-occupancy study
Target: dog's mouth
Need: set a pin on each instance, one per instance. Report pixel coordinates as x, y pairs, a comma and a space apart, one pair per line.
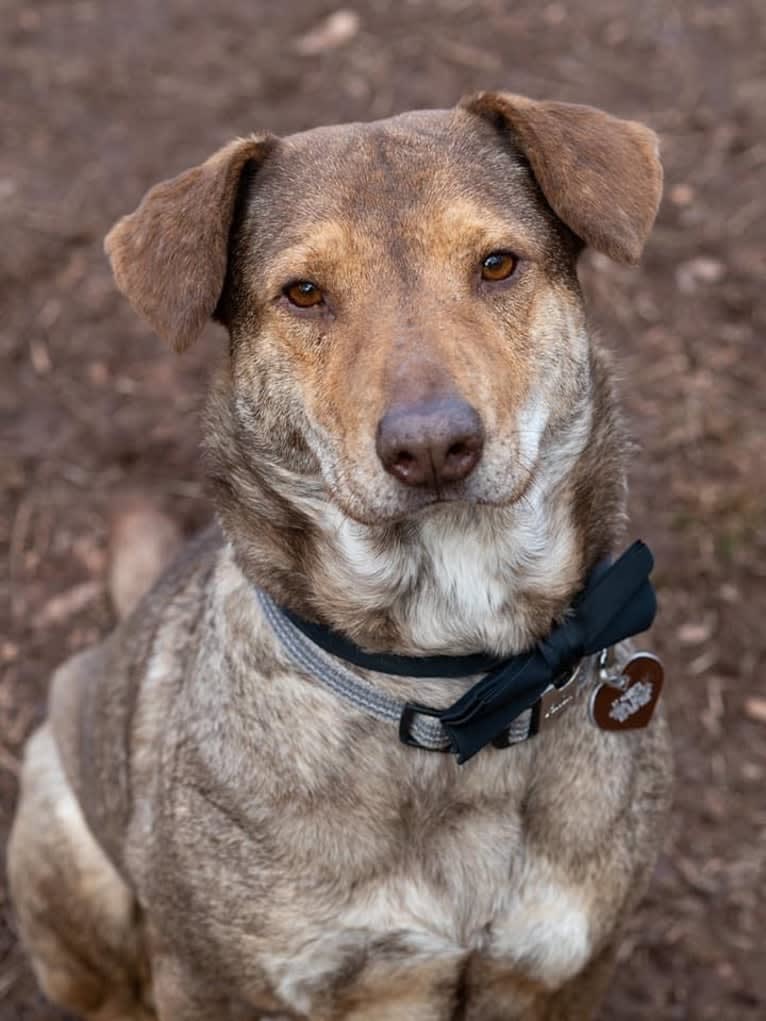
416, 504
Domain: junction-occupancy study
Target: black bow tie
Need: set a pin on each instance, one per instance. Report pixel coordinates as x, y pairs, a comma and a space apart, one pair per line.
618, 601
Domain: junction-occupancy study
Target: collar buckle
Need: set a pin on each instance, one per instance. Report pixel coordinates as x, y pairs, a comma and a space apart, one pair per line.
407, 722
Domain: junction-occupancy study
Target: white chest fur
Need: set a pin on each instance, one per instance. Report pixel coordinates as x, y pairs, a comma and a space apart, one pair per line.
450, 590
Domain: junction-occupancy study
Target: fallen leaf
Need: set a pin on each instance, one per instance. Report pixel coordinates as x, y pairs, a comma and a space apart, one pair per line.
143, 541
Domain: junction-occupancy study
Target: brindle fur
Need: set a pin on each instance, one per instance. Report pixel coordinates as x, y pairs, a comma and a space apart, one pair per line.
205, 833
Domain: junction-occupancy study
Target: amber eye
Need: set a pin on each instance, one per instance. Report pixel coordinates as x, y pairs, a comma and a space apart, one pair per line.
303, 294
498, 266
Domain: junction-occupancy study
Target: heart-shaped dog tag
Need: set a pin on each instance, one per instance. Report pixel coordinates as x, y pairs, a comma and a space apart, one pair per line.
629, 704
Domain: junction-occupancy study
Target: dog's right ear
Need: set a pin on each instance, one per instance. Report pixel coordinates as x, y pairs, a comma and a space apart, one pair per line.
169, 256
600, 175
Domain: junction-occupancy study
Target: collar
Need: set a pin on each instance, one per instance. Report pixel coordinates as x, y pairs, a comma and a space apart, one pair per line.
517, 695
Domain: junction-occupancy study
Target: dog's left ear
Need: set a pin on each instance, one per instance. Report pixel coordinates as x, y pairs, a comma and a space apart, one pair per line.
599, 174
169, 257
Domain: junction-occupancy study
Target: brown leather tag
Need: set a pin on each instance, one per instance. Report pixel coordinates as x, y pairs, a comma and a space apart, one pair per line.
629, 706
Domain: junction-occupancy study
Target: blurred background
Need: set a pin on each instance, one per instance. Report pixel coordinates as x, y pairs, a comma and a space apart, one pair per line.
99, 100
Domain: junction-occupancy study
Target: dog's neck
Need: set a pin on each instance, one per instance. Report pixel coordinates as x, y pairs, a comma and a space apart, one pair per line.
455, 580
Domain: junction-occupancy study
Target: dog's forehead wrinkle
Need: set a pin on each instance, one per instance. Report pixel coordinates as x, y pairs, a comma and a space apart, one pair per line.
386, 177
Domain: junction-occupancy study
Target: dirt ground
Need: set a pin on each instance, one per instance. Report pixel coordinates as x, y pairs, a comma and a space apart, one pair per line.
98, 100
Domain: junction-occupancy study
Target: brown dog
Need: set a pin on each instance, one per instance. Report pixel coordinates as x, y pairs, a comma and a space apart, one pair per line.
415, 443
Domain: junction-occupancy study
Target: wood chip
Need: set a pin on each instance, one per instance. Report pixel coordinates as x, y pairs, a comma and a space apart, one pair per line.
39, 356
8, 651
755, 708
698, 631
682, 195
700, 272
336, 30
69, 603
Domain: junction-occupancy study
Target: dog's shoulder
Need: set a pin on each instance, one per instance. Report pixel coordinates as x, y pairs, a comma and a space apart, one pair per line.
95, 694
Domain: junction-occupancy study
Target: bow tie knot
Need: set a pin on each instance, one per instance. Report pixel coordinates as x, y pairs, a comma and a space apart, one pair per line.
564, 646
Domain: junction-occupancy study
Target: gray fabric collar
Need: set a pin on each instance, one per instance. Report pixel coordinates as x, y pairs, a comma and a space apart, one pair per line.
427, 730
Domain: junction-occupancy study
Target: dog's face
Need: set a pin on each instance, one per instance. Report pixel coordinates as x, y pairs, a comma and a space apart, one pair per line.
402, 298
399, 288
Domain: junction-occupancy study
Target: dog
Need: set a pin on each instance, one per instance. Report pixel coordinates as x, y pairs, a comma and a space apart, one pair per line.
414, 449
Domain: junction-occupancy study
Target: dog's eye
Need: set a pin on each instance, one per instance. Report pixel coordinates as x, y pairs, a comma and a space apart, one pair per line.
498, 266
303, 294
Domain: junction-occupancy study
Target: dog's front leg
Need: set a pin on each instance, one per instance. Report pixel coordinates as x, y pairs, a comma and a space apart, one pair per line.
78, 919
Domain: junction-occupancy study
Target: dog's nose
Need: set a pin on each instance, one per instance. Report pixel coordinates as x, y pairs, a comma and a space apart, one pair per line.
430, 443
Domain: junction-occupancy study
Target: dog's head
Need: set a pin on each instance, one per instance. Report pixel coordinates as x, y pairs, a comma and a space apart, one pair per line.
406, 324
